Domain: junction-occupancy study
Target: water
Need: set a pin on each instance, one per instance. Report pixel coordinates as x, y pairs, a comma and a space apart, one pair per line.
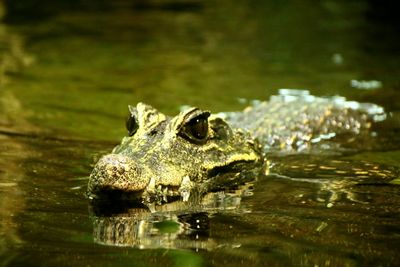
72, 69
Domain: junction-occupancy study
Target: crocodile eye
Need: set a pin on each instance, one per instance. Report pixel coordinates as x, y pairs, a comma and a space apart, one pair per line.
131, 125
131, 122
196, 128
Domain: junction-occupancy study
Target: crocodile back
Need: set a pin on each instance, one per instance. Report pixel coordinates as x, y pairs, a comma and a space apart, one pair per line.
296, 121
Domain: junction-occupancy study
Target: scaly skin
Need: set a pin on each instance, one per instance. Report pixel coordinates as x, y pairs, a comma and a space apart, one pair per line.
174, 156
295, 121
159, 161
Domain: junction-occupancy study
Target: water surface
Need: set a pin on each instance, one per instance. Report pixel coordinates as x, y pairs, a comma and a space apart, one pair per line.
70, 70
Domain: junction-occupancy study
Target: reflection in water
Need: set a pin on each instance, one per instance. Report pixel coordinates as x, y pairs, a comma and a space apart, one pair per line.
178, 224
293, 219
338, 179
11, 196
145, 230
12, 116
297, 187
204, 54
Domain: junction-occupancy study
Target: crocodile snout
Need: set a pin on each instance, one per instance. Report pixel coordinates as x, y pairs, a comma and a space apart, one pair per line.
116, 173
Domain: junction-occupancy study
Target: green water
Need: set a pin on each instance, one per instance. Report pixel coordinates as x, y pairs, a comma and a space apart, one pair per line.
74, 68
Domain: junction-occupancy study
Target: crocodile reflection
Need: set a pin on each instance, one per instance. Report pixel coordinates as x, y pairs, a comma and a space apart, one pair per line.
143, 229
177, 225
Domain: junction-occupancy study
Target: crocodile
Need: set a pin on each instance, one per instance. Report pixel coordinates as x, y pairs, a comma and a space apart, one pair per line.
164, 158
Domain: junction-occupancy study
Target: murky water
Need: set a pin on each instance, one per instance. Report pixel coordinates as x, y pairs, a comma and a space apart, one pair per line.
68, 72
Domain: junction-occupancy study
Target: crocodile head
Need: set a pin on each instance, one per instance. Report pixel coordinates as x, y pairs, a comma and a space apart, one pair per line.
171, 156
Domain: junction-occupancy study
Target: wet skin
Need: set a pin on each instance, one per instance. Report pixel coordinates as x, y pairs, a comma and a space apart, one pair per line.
166, 157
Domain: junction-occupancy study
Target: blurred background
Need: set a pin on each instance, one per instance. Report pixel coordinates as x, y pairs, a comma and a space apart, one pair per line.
74, 66
68, 70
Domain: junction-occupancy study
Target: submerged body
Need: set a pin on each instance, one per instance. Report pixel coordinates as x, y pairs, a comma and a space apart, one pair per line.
167, 157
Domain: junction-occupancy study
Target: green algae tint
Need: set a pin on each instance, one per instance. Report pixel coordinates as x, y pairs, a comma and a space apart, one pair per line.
69, 70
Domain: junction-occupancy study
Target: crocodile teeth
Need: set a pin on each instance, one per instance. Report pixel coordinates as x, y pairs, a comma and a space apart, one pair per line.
184, 189
151, 187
